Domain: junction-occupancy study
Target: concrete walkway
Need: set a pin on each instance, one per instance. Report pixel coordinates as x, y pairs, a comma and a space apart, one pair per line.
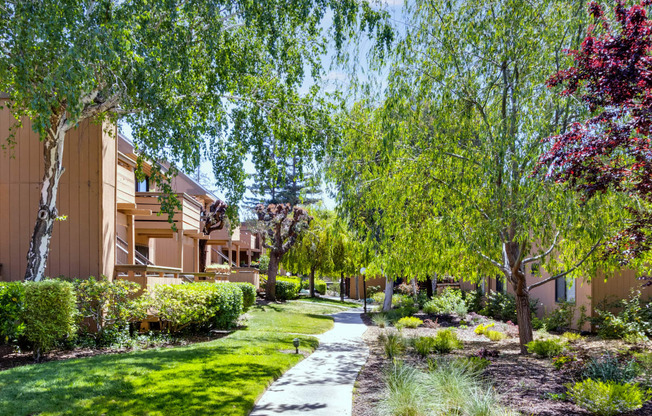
322, 384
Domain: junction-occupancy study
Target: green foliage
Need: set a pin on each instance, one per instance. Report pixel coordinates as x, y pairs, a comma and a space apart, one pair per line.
380, 320
402, 301
607, 398
404, 391
248, 294
474, 300
546, 348
263, 263
408, 322
378, 297
12, 302
561, 318
611, 368
287, 289
572, 336
111, 305
446, 341
393, 344
320, 286
394, 315
562, 361
502, 306
475, 364
634, 317
200, 304
424, 345
50, 313
495, 335
449, 302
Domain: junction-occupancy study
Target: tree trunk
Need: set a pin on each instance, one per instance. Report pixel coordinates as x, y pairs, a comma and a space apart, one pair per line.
342, 286
434, 285
39, 246
524, 317
414, 287
357, 290
202, 256
270, 288
389, 291
312, 282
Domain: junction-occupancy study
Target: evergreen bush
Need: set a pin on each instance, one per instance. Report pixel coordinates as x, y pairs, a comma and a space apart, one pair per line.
12, 302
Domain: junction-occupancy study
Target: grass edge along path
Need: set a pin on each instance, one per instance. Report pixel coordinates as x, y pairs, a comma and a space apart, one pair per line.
220, 377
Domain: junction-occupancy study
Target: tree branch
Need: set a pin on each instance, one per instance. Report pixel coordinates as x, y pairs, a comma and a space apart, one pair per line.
560, 275
540, 256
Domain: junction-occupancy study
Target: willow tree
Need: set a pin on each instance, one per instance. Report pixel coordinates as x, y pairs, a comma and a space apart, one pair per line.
313, 250
190, 78
461, 129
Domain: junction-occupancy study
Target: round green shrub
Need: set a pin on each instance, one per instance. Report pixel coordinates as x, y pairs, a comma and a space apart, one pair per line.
248, 294
546, 348
287, 290
50, 313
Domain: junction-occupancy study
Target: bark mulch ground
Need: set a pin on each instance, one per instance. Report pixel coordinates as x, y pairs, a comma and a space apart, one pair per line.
523, 381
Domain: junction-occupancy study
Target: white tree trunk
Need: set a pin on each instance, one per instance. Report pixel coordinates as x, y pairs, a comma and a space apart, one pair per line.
357, 290
389, 291
433, 281
39, 246
414, 286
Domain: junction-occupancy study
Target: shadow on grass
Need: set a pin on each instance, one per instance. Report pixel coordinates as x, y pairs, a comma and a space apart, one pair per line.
212, 379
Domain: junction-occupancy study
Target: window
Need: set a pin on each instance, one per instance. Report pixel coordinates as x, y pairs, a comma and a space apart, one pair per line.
143, 186
500, 285
563, 292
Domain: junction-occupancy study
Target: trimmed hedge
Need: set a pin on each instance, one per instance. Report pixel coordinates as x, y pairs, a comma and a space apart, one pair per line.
203, 303
320, 286
49, 314
12, 301
248, 294
286, 290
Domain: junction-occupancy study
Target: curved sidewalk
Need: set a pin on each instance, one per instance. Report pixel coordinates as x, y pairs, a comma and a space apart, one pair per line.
321, 384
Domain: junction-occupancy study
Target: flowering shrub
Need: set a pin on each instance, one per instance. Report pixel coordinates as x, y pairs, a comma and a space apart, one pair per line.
12, 300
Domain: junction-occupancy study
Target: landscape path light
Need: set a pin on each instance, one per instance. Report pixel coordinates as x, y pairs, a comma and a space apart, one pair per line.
296, 345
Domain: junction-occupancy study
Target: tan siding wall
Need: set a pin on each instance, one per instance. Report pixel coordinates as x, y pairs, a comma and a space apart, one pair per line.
370, 282
618, 285
81, 245
126, 186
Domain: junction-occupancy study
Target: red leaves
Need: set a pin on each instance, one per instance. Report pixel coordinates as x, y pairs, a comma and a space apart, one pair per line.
612, 73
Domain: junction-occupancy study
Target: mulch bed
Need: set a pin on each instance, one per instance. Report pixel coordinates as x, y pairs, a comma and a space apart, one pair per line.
522, 380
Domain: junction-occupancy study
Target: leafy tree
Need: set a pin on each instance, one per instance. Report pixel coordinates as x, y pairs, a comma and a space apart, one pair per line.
210, 77
611, 149
455, 142
282, 225
312, 251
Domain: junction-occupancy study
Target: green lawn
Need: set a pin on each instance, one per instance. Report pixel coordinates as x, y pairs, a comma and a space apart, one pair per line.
331, 302
221, 377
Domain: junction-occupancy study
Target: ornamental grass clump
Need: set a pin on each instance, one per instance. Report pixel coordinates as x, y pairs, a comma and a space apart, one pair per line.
393, 344
424, 345
447, 388
380, 320
610, 368
408, 322
607, 398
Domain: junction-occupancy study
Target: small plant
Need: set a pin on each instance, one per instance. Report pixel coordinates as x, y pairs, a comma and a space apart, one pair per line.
480, 329
561, 318
572, 337
546, 348
378, 297
424, 345
393, 344
562, 361
555, 396
607, 398
405, 391
408, 322
476, 364
446, 341
380, 320
495, 335
487, 353
634, 318
610, 368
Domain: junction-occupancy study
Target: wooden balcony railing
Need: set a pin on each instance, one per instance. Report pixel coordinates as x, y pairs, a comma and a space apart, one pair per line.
189, 218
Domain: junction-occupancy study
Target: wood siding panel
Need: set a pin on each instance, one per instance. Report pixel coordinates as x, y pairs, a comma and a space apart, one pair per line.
76, 246
618, 286
126, 186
